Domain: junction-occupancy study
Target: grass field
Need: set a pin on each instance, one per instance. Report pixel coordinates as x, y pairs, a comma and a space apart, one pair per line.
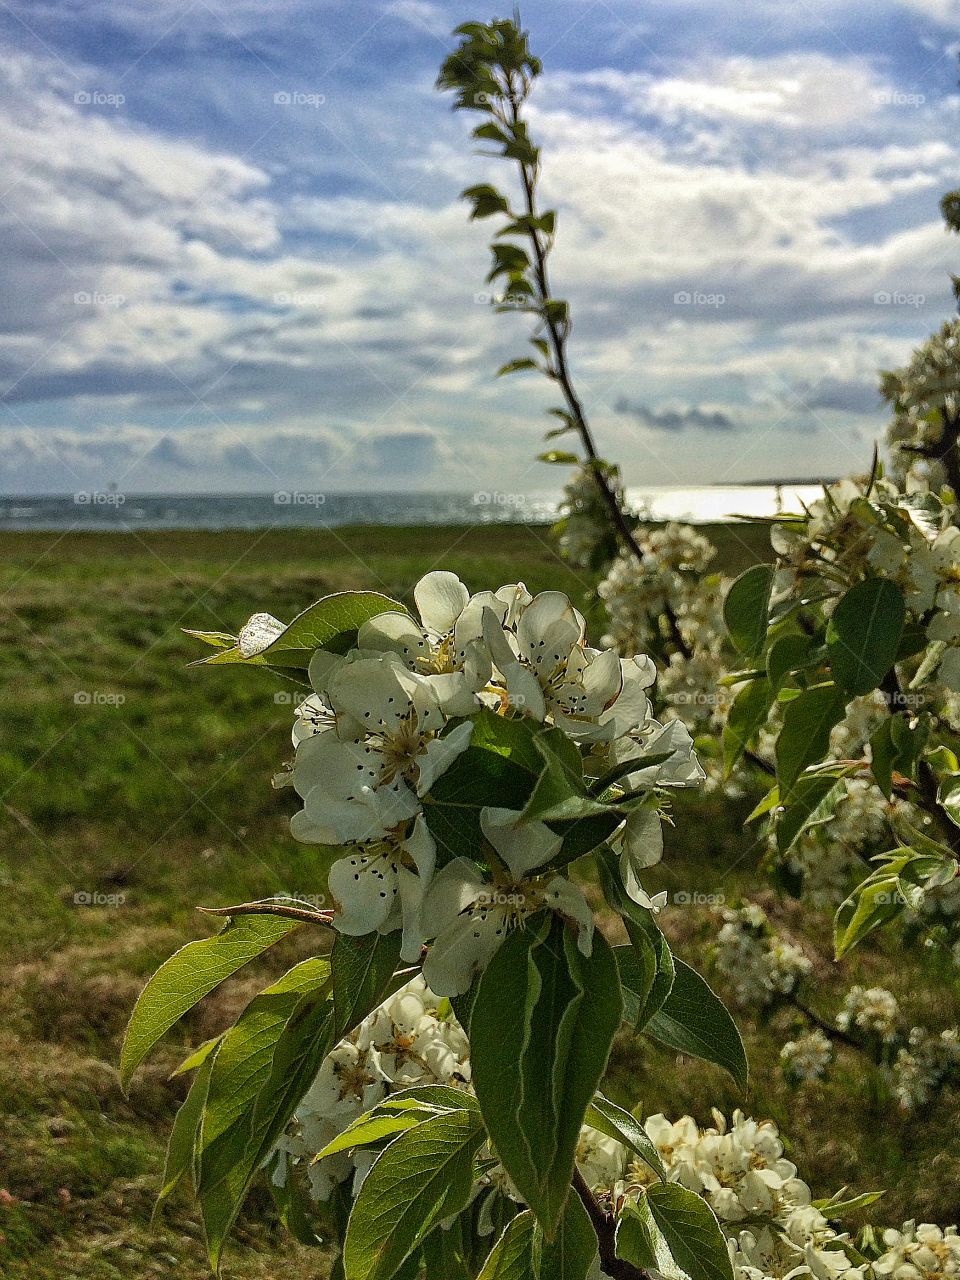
134, 789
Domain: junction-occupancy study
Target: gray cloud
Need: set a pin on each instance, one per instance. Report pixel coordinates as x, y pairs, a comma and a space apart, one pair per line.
694, 418
406, 453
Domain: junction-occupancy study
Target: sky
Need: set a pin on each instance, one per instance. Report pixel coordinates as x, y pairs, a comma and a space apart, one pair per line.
233, 255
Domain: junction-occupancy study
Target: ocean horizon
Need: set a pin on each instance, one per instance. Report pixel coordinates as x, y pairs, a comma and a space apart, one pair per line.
111, 509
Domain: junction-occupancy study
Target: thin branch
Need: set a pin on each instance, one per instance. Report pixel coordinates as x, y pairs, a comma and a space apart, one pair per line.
272, 909
558, 346
605, 1225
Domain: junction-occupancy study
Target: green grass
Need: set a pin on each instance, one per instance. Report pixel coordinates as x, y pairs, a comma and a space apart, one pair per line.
134, 789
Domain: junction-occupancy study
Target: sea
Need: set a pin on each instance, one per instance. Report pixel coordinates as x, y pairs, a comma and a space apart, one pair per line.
111, 509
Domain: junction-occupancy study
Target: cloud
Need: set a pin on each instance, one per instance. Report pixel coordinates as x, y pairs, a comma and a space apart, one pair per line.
206, 289
403, 453
695, 417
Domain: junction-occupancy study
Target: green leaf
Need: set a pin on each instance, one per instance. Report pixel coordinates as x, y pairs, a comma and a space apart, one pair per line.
515, 366
421, 1177
572, 1252
332, 623
640, 1242
805, 736
298, 1052
189, 975
559, 458
646, 967
620, 1125
863, 634
486, 200
240, 1070
559, 1010
746, 609
372, 1128
560, 792
361, 969
786, 655
746, 718
452, 809
813, 800
874, 902
216, 639
512, 1257
838, 1207
691, 1231
182, 1144
695, 1021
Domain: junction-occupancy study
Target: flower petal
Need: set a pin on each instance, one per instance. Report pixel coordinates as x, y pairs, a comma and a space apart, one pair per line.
441, 597
521, 847
439, 754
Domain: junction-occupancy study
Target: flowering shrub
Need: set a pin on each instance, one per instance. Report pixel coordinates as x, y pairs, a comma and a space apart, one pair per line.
772, 1225
457, 771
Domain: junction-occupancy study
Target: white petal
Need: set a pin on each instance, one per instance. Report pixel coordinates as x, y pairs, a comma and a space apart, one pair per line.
257, 633
422, 849
371, 692
521, 847
462, 950
496, 641
441, 597
439, 754
411, 901
456, 693
523, 689
551, 618
365, 889
454, 888
396, 632
564, 896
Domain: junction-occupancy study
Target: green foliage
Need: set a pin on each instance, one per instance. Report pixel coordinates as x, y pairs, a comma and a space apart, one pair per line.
695, 1021
421, 1177
332, 624
559, 1010
189, 975
746, 609
863, 635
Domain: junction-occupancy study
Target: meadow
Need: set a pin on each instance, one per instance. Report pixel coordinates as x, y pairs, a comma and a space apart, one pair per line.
135, 789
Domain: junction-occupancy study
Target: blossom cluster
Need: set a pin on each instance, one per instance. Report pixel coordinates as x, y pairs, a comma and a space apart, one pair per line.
874, 528
584, 532
391, 717
764, 1207
760, 966
669, 583
411, 1039
872, 1011
741, 1170
925, 396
